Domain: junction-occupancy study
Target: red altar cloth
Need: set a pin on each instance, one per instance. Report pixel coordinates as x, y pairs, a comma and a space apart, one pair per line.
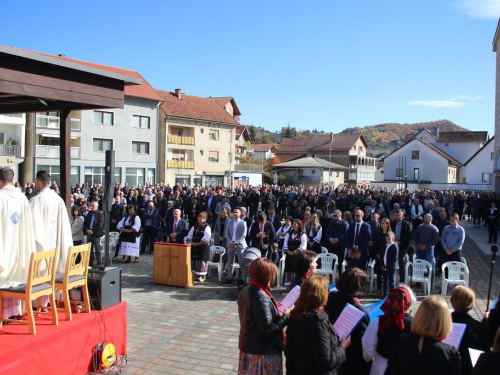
63, 349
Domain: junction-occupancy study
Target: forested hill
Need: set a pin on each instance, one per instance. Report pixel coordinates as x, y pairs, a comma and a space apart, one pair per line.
379, 137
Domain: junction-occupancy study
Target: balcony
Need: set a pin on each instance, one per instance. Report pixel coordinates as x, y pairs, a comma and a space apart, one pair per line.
304, 179
52, 122
10, 150
180, 164
180, 140
256, 168
43, 151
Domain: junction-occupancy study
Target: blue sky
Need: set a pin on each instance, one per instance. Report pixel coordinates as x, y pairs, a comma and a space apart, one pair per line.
327, 64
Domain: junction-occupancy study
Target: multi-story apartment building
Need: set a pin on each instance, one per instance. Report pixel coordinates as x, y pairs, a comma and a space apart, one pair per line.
132, 132
196, 142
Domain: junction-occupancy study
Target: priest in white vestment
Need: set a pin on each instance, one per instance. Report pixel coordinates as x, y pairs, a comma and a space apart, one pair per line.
51, 221
17, 240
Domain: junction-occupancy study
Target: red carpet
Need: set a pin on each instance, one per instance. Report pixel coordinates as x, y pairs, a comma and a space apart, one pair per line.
63, 349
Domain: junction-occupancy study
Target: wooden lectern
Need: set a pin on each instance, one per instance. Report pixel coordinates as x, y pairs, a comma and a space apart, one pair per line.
172, 264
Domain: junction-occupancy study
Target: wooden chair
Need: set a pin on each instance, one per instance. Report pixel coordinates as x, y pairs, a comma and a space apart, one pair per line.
40, 283
75, 275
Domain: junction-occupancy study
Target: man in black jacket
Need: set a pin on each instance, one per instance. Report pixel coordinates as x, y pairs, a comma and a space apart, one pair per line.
93, 227
150, 224
402, 230
262, 235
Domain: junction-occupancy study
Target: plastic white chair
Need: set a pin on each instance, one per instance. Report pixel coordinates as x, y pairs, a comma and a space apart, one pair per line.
458, 274
281, 271
422, 273
324, 250
344, 263
371, 273
326, 265
216, 250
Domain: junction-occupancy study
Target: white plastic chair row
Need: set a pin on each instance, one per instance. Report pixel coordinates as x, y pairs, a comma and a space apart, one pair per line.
216, 250
421, 273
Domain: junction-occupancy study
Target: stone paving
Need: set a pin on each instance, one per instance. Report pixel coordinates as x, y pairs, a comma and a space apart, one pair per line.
173, 330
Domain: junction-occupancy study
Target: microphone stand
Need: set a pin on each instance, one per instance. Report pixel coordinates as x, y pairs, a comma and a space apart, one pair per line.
411, 250
494, 250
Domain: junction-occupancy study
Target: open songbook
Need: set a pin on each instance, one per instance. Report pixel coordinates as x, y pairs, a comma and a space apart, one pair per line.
348, 320
456, 335
290, 299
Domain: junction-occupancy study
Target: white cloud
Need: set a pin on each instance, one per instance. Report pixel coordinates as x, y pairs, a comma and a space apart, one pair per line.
454, 101
489, 9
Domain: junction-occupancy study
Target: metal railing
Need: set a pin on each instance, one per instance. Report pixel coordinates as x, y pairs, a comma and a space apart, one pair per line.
180, 140
248, 168
10, 150
180, 164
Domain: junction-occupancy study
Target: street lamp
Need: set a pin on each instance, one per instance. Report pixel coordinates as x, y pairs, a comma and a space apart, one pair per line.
406, 182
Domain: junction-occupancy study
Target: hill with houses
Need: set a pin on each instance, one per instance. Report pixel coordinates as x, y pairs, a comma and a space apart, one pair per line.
381, 138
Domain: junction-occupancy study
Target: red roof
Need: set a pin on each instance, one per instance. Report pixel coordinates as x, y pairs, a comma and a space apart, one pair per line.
262, 147
320, 142
144, 90
194, 107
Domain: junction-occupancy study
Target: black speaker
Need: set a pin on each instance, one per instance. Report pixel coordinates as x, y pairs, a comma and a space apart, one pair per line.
105, 287
109, 179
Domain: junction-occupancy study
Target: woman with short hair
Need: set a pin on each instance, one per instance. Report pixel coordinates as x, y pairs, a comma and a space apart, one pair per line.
422, 351
304, 265
313, 346
261, 339
476, 334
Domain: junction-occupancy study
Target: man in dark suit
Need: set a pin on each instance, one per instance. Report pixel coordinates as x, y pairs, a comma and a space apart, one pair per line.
93, 227
150, 225
177, 228
262, 235
194, 211
274, 218
359, 235
210, 203
402, 231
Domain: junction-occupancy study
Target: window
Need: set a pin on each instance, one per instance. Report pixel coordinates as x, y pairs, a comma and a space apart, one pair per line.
141, 122
415, 155
213, 135
151, 176
338, 174
101, 145
213, 156
75, 176
360, 148
104, 118
94, 175
140, 148
202, 130
134, 176
2, 138
446, 144
54, 171
487, 178
354, 147
416, 174
201, 152
313, 171
47, 120
178, 155
229, 109
492, 156
399, 172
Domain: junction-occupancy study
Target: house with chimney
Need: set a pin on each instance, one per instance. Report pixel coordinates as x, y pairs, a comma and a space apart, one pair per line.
348, 150
196, 139
428, 159
263, 151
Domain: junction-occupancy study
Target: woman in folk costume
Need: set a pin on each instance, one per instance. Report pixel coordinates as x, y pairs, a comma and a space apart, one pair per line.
382, 332
313, 232
130, 226
295, 242
199, 237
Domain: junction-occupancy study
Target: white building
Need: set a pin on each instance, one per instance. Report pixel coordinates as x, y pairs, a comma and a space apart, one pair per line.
496, 48
478, 169
311, 171
132, 132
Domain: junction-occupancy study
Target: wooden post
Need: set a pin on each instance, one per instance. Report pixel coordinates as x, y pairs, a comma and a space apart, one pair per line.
65, 156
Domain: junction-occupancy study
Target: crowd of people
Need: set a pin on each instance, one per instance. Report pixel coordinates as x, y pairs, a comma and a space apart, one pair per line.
357, 225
